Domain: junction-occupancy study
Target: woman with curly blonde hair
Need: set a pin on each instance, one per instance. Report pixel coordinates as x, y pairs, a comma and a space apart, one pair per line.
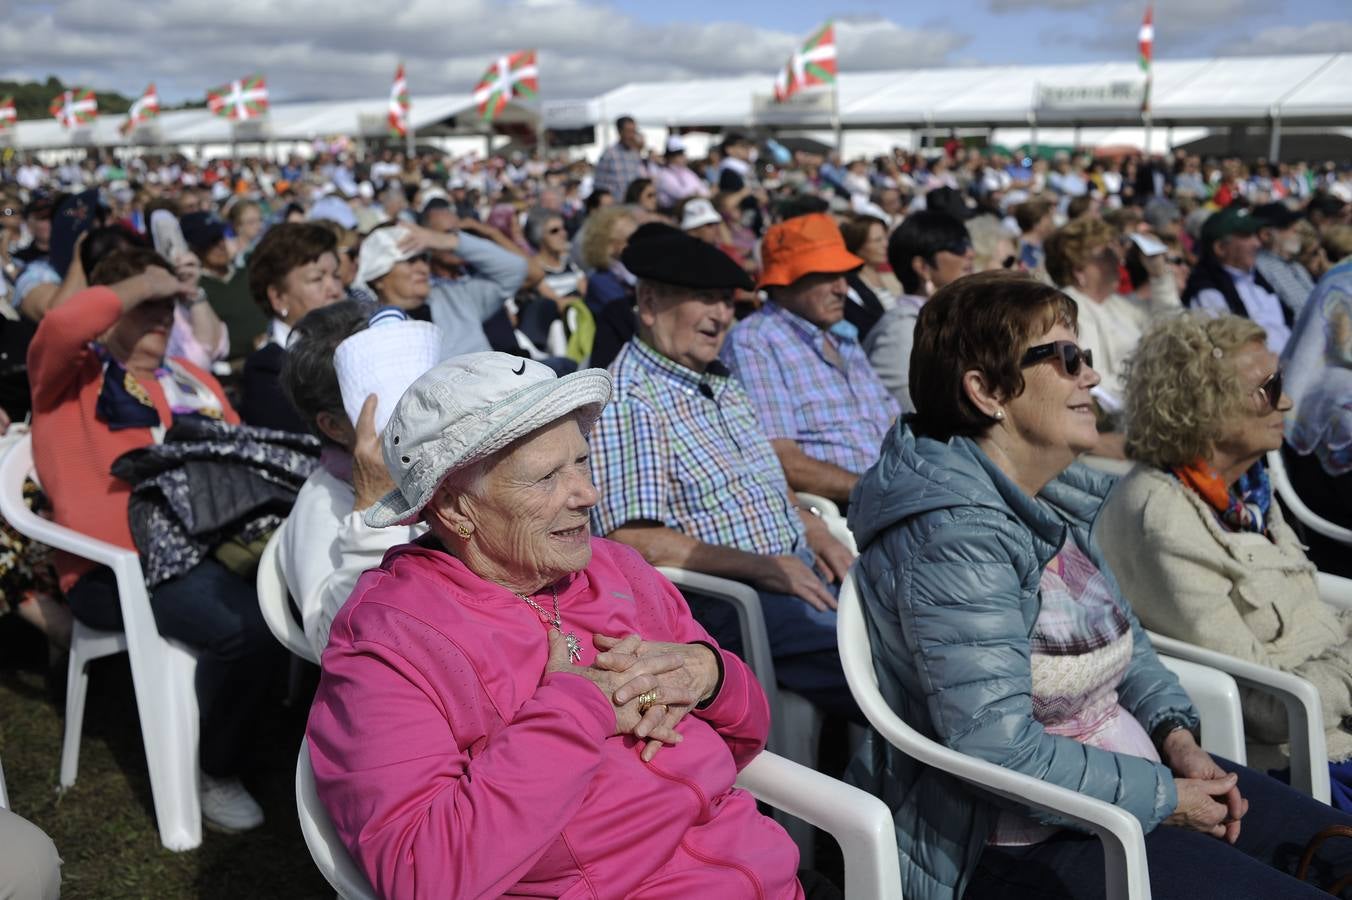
1198, 546
604, 237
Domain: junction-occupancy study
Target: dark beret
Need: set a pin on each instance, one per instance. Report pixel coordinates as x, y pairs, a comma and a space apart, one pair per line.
668, 255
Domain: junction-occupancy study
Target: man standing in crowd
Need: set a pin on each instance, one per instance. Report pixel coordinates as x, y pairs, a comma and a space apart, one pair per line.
623, 161
1277, 258
687, 477
812, 387
1224, 279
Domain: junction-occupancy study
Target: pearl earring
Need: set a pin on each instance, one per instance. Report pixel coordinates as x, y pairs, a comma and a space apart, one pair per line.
999, 414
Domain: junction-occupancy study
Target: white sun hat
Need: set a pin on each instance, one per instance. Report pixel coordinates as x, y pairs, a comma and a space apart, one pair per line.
464, 410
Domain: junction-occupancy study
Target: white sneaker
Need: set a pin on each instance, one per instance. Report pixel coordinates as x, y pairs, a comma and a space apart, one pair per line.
227, 806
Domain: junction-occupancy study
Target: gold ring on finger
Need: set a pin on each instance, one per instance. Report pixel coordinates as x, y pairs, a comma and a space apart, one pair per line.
646, 701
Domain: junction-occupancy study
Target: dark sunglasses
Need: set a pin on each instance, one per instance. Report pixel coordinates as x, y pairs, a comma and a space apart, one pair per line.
557, 229
1068, 352
1271, 389
420, 258
1009, 262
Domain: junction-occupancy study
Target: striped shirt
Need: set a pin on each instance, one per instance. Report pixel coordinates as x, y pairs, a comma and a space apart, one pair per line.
684, 450
828, 400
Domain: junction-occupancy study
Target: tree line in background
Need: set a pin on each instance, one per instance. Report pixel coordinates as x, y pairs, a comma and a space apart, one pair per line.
33, 99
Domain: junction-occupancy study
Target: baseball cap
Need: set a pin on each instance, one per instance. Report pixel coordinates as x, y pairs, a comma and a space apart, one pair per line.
466, 409
1276, 215
202, 230
1230, 221
675, 145
380, 251
802, 246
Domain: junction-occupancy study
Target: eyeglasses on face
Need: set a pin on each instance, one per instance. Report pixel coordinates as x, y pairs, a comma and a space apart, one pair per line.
1068, 352
1271, 390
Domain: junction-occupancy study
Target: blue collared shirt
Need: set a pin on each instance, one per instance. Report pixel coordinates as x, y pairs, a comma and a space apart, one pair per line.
1262, 306
836, 413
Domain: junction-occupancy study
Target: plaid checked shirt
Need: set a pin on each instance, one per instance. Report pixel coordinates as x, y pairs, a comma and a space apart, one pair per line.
1288, 278
837, 411
666, 451
616, 168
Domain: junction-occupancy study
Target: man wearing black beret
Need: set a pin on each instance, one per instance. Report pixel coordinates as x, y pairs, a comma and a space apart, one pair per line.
687, 476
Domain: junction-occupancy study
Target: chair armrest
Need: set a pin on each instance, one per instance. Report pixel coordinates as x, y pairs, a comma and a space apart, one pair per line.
1216, 697
1304, 712
750, 618
860, 822
830, 515
1335, 591
820, 504
1286, 491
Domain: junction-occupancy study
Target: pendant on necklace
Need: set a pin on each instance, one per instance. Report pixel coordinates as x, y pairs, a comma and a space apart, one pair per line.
574, 647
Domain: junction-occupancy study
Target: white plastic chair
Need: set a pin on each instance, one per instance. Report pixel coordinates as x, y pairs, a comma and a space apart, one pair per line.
795, 724
161, 670
830, 515
4, 794
1306, 516
1127, 877
1335, 591
274, 604
860, 823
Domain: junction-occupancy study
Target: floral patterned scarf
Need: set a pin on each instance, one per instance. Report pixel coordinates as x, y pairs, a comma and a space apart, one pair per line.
1243, 508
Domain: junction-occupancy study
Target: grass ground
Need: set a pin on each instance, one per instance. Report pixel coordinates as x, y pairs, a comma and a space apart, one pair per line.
104, 826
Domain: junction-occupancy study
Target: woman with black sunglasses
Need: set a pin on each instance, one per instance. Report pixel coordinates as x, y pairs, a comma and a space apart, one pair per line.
1195, 539
998, 630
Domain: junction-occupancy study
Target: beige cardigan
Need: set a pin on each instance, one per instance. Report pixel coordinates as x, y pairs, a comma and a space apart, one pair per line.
1241, 594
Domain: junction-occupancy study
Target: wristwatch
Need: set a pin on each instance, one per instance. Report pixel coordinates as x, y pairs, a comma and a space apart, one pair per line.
1167, 727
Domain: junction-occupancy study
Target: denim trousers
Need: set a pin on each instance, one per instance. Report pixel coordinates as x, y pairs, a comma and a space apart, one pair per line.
1185, 864
215, 612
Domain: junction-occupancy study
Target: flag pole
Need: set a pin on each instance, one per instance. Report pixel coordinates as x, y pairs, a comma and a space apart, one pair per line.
835, 117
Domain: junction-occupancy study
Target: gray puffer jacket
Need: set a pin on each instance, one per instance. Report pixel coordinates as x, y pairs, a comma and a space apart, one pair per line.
953, 552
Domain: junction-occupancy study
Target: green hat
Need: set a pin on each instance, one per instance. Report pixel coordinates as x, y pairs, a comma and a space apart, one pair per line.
1229, 221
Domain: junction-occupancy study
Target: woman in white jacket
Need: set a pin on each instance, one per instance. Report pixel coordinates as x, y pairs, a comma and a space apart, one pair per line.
1194, 537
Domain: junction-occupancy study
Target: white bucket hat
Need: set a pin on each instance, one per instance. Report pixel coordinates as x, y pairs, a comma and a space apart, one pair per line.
464, 410
697, 213
384, 360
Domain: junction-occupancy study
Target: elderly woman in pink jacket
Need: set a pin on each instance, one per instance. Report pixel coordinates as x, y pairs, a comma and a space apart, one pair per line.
510, 706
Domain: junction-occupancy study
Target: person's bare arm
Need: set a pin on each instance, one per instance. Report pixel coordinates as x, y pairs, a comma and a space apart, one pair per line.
812, 475
662, 546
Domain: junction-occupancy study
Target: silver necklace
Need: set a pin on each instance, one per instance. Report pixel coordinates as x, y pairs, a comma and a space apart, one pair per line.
574, 645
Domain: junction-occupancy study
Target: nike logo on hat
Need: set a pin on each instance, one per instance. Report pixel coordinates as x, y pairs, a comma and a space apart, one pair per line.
521, 370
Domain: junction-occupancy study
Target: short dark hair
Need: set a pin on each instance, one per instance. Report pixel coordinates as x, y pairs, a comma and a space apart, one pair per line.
856, 228
634, 192
125, 263
1030, 212
432, 206
308, 377
101, 241
982, 322
922, 234
284, 247
623, 121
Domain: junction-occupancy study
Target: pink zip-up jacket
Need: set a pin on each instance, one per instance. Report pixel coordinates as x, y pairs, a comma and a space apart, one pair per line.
453, 767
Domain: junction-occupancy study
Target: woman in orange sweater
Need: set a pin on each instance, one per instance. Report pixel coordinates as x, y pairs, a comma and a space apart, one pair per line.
102, 386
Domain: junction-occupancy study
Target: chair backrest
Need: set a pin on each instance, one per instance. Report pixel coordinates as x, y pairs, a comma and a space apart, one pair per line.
1306, 516
274, 603
750, 619
328, 852
1126, 873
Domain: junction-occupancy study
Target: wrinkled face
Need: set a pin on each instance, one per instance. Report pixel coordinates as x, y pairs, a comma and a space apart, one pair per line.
1259, 429
874, 249
686, 326
530, 511
307, 287
819, 297
406, 285
1238, 251
1284, 242
1054, 413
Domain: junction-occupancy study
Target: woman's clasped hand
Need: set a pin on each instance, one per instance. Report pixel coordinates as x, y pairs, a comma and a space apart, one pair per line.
652, 685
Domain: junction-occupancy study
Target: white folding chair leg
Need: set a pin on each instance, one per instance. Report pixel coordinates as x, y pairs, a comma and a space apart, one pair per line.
796, 733
1304, 710
169, 723
86, 645
4, 793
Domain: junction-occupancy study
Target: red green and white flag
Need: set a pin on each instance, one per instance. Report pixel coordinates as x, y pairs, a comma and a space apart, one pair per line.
146, 107
399, 104
77, 106
8, 113
813, 65
514, 75
1145, 41
240, 100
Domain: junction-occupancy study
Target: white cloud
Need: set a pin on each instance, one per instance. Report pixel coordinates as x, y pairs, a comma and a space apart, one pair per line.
323, 49
1317, 37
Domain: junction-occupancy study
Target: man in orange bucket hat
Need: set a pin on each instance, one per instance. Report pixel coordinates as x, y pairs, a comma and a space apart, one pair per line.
809, 380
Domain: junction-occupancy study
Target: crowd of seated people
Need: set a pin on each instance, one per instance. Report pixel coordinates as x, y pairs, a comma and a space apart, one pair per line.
470, 534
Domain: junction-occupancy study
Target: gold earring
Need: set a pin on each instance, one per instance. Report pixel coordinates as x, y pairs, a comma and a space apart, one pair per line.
463, 532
